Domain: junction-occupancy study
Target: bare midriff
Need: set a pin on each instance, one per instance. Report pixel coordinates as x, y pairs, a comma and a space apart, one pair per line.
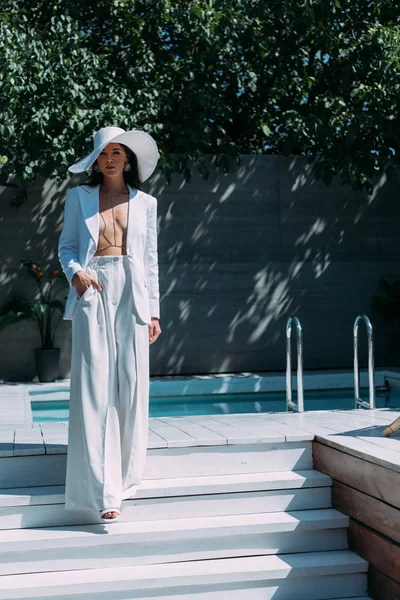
108, 245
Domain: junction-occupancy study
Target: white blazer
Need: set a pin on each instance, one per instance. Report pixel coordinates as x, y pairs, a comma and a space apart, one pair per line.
79, 239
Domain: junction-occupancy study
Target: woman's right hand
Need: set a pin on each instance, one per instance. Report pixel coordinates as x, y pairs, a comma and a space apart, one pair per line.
82, 281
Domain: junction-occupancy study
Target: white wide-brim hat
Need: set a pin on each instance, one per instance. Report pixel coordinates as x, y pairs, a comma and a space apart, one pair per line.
140, 142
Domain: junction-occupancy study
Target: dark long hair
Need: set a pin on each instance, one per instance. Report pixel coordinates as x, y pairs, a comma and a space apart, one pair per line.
131, 177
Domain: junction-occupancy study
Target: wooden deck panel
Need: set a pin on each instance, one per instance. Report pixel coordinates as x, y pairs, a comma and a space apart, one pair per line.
368, 493
380, 552
377, 481
370, 511
382, 587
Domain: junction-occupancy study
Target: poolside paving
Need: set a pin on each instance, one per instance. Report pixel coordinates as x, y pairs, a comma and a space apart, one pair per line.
359, 431
15, 405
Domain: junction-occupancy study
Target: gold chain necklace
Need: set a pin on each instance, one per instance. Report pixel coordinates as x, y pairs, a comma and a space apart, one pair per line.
112, 194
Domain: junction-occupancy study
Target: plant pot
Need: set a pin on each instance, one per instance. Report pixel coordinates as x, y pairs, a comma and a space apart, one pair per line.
47, 361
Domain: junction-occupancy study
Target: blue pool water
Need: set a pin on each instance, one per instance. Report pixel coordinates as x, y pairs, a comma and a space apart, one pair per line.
53, 405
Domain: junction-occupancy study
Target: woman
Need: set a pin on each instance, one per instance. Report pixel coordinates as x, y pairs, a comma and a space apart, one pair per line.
108, 252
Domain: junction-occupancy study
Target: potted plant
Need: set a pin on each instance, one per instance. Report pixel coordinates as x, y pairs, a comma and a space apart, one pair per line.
46, 313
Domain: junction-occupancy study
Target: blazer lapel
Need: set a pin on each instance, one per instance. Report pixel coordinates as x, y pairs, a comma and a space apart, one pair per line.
89, 198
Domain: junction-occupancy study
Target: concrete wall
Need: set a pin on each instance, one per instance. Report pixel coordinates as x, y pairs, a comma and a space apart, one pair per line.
238, 254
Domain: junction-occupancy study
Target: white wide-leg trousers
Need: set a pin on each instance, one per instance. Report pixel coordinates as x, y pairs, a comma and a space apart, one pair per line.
109, 400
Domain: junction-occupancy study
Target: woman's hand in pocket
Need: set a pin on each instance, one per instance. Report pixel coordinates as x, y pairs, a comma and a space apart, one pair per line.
82, 281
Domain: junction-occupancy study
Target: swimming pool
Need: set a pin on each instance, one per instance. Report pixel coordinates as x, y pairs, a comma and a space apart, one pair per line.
53, 404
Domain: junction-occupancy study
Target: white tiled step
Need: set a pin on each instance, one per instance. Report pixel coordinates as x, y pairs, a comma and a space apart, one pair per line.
297, 589
292, 576
177, 497
181, 486
180, 459
151, 542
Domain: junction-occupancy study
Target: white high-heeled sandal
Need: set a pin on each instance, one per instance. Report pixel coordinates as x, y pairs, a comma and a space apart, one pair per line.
108, 510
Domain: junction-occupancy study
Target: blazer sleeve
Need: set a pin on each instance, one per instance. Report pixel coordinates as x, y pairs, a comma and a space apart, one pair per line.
151, 259
68, 245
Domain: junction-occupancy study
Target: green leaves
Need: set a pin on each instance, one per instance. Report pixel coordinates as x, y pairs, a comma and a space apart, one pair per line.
318, 78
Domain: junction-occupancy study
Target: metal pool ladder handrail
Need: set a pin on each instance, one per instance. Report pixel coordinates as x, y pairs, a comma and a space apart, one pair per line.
299, 407
371, 377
